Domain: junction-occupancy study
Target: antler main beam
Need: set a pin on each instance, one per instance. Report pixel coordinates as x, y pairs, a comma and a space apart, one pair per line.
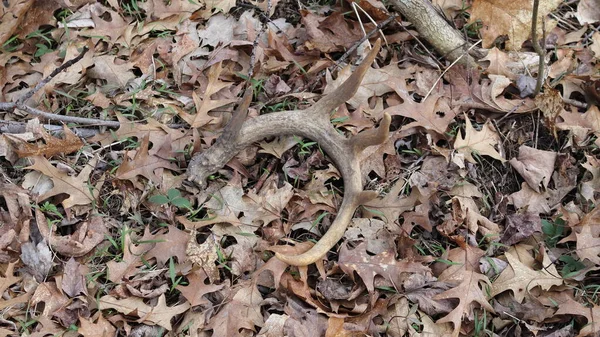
312, 123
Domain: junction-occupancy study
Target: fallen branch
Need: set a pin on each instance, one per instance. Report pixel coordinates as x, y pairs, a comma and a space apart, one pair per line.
312, 123
431, 26
21, 102
538, 49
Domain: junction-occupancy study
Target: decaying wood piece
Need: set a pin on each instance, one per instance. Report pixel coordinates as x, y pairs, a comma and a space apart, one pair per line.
312, 123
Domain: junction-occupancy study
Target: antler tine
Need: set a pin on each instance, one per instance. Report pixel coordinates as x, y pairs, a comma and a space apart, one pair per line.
312, 123
347, 89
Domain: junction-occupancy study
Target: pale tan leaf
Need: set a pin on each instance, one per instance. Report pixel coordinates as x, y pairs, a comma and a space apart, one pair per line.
509, 18
160, 314
482, 142
521, 279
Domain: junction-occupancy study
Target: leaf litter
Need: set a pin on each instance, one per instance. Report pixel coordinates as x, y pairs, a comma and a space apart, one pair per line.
486, 221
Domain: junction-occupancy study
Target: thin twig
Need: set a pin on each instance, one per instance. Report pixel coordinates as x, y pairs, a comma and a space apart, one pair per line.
49, 78
13, 127
536, 46
55, 117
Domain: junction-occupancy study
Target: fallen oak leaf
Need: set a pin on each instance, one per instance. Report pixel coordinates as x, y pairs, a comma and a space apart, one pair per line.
53, 145
242, 312
101, 328
469, 285
143, 164
156, 132
588, 246
116, 75
79, 189
481, 142
521, 278
197, 287
207, 104
161, 314
384, 264
592, 186
132, 257
592, 314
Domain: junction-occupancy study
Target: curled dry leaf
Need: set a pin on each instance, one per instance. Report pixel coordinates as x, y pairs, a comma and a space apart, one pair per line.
535, 166
85, 238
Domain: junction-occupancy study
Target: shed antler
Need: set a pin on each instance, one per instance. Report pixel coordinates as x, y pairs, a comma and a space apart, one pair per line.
312, 123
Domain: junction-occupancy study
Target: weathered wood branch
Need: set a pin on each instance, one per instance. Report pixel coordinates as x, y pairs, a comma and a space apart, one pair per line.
431, 25
312, 123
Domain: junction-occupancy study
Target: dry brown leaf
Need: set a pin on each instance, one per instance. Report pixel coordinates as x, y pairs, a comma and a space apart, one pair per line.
433, 114
520, 227
101, 328
383, 264
242, 312
531, 201
374, 231
491, 92
304, 321
197, 287
521, 278
466, 211
511, 64
228, 203
278, 267
119, 272
111, 69
592, 186
375, 83
469, 286
156, 132
73, 280
106, 23
161, 10
204, 256
509, 18
87, 235
9, 277
206, 104
332, 33
592, 314
17, 202
161, 314
168, 245
52, 145
12, 14
482, 142
588, 245
79, 188
143, 164
588, 12
392, 205
581, 125
273, 326
535, 166
53, 299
